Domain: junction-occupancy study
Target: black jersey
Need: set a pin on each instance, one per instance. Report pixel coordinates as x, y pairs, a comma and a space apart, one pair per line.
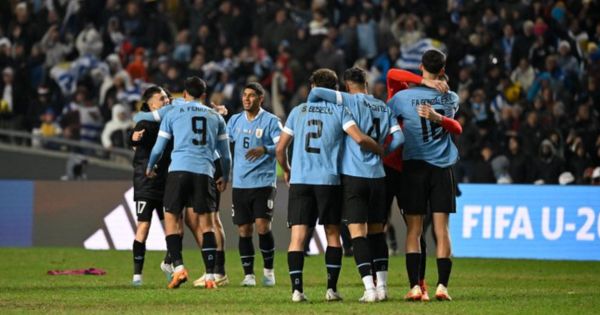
144, 187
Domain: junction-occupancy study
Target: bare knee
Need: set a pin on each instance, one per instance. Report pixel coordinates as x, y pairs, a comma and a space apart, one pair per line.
245, 230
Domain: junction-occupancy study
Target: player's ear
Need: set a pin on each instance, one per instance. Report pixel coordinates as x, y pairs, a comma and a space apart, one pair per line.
443, 71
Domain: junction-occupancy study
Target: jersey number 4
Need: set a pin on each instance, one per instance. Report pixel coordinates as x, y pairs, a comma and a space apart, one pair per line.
199, 127
435, 132
313, 135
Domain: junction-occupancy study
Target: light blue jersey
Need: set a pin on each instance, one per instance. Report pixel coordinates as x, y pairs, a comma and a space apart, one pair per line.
374, 118
425, 140
318, 131
197, 131
264, 131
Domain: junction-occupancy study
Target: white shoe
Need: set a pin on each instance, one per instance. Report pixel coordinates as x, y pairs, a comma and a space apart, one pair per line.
369, 296
200, 282
168, 270
298, 296
249, 281
381, 293
331, 296
441, 293
268, 279
137, 281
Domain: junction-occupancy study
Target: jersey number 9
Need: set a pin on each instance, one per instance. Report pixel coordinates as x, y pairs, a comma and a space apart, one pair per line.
199, 127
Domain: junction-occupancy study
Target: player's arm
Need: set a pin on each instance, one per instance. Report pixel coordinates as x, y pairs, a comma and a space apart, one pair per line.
285, 138
449, 124
137, 136
165, 134
225, 153
155, 115
322, 94
397, 139
274, 131
399, 76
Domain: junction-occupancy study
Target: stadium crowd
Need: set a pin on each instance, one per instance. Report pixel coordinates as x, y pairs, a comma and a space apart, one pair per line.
527, 72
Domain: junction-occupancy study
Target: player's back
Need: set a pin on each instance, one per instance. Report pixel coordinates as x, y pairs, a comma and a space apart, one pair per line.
373, 117
196, 129
425, 140
318, 130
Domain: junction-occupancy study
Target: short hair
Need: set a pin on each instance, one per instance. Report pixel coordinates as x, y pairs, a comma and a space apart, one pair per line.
355, 75
256, 87
194, 86
433, 61
325, 78
147, 95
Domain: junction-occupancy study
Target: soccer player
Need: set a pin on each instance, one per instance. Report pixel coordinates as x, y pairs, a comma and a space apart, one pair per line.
317, 129
191, 218
197, 131
147, 192
254, 134
428, 181
363, 179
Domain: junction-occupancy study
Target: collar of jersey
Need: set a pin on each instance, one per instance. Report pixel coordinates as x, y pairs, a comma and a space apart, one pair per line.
260, 111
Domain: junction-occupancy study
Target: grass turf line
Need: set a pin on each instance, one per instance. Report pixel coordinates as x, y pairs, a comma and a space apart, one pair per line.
478, 286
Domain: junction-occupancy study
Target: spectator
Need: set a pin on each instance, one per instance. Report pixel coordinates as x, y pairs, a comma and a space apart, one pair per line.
116, 131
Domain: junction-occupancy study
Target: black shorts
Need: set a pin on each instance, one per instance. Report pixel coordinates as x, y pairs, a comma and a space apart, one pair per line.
307, 203
185, 189
364, 200
218, 174
250, 204
426, 185
393, 188
143, 209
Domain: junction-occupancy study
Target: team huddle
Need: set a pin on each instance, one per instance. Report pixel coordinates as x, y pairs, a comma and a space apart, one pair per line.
338, 141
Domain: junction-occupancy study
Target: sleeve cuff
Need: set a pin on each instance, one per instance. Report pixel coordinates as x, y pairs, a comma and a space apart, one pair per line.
395, 128
164, 134
338, 97
288, 131
223, 137
348, 125
156, 115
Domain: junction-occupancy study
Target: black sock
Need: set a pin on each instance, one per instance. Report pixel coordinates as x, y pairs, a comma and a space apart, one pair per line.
267, 248
167, 258
295, 265
333, 261
139, 251
379, 250
246, 249
209, 251
362, 256
391, 234
444, 268
174, 247
412, 268
423, 260
220, 262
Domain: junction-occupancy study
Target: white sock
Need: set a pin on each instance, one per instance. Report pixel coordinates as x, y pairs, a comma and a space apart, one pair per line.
382, 278
210, 276
137, 277
267, 272
179, 268
368, 282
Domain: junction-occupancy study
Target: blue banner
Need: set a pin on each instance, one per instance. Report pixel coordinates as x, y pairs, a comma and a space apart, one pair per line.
523, 221
16, 211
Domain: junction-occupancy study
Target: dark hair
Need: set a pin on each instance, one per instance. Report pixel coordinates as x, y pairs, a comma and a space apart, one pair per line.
324, 78
147, 95
355, 75
194, 86
433, 61
256, 87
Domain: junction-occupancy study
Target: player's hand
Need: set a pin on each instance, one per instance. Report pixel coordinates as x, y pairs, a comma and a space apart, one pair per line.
380, 150
221, 109
426, 111
221, 184
255, 153
150, 173
439, 85
286, 177
138, 135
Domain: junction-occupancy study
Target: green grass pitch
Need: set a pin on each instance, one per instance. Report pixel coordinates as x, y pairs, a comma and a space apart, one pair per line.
478, 286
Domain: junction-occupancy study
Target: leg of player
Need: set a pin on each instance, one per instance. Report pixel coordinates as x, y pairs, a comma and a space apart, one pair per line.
192, 220
209, 248
380, 255
414, 224
362, 256
246, 249
296, 261
443, 253
266, 243
220, 274
139, 251
423, 263
174, 246
333, 261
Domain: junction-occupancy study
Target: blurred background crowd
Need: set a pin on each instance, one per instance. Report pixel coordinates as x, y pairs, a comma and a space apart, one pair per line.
527, 72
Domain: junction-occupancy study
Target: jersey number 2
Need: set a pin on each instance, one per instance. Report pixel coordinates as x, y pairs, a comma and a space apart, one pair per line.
313, 135
199, 127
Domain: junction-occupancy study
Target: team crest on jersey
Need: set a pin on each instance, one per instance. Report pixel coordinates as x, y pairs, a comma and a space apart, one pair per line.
259, 133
